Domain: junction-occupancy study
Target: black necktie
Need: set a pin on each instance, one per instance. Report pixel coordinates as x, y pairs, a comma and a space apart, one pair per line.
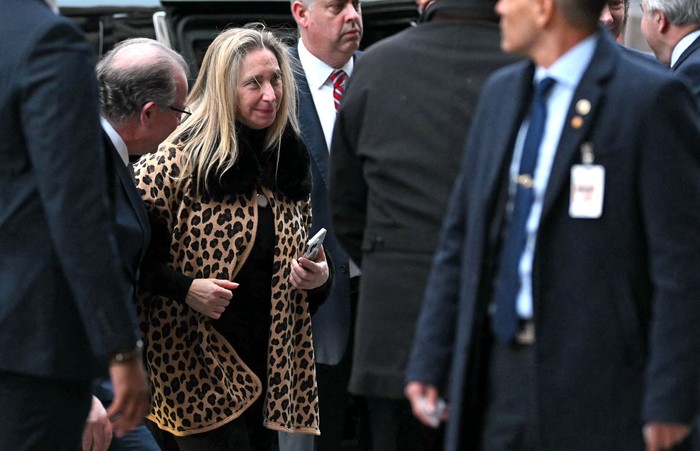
505, 319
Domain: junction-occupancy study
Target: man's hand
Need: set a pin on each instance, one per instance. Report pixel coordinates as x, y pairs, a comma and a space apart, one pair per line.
210, 297
664, 436
424, 401
131, 395
97, 434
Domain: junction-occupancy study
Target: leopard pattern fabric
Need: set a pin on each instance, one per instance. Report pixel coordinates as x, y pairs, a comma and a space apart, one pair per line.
198, 382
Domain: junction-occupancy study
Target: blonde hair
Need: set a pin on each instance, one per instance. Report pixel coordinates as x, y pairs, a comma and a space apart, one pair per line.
208, 135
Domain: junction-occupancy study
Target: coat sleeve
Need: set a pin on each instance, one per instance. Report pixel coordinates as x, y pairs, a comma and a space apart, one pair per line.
60, 122
669, 189
435, 330
431, 356
348, 189
161, 195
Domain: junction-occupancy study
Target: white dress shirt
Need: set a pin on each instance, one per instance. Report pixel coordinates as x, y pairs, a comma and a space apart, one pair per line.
682, 45
567, 71
117, 140
318, 76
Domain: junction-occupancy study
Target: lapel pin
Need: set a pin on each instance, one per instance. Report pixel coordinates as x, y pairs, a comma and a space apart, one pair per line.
576, 122
583, 107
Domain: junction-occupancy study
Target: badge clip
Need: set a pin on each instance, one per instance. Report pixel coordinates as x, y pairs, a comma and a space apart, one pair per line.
587, 156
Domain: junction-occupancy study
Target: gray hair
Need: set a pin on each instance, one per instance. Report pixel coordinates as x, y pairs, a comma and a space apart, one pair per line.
678, 12
126, 86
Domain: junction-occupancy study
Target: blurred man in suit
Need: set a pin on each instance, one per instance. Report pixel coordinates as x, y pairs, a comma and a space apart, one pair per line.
561, 309
65, 299
329, 36
396, 149
672, 30
143, 87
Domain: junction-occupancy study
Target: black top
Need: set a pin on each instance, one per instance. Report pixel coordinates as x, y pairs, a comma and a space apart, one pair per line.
246, 321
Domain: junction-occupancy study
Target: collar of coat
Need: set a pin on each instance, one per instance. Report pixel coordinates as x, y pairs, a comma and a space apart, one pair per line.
289, 175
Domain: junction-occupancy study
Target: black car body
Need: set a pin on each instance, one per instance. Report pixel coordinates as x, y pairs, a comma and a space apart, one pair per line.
189, 26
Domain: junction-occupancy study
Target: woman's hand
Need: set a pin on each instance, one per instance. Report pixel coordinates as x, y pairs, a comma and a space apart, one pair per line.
210, 297
307, 274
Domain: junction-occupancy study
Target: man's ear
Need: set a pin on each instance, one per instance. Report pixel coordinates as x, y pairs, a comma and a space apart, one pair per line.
662, 22
147, 112
299, 12
544, 11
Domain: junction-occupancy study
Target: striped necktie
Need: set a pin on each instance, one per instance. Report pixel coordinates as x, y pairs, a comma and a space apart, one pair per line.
338, 78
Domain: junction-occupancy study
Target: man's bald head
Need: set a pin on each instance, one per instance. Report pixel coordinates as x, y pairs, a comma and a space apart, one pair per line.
135, 72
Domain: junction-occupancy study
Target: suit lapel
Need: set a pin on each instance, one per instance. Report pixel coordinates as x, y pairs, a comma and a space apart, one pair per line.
511, 112
689, 51
311, 130
128, 183
129, 187
591, 89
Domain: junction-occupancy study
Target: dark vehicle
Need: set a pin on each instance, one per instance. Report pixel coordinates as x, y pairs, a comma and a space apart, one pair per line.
190, 26
107, 22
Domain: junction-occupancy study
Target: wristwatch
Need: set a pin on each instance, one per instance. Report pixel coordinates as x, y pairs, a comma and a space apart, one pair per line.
127, 356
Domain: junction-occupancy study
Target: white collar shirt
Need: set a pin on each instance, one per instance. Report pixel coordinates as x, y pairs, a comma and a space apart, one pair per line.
682, 45
117, 140
318, 76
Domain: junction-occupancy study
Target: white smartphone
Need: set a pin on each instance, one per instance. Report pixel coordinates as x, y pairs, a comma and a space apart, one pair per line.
436, 417
314, 244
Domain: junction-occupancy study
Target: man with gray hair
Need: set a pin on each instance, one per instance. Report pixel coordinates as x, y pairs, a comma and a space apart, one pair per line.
143, 87
672, 29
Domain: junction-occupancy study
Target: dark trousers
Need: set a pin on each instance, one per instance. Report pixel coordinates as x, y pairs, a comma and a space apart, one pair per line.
342, 415
39, 414
334, 399
394, 428
137, 439
511, 419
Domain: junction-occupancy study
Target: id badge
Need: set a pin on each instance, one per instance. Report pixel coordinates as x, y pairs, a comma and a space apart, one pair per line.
587, 186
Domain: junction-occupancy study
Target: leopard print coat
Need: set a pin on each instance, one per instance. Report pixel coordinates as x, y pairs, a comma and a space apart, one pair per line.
198, 382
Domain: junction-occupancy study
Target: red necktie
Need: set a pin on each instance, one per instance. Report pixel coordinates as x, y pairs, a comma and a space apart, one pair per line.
338, 79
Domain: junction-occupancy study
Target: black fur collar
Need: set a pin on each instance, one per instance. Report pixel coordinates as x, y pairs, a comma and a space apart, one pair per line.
253, 168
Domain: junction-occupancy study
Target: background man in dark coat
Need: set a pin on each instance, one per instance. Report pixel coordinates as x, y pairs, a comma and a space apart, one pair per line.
65, 304
672, 30
605, 340
395, 153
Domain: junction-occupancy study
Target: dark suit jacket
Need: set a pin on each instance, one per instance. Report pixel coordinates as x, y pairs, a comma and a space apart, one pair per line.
64, 297
396, 149
331, 323
688, 66
615, 298
132, 226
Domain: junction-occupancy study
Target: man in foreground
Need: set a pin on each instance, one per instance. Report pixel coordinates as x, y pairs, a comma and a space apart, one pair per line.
65, 304
561, 311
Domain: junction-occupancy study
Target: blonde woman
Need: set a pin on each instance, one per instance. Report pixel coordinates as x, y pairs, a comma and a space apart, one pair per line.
228, 337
